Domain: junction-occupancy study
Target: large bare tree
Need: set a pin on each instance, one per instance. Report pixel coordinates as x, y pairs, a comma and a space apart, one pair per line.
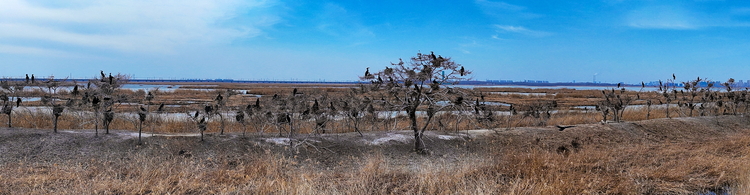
419, 84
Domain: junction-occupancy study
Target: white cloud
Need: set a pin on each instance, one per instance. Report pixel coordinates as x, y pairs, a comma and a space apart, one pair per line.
12, 49
522, 30
663, 17
131, 25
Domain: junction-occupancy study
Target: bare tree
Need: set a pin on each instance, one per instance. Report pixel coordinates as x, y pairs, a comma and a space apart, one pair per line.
10, 93
50, 98
615, 102
668, 91
106, 91
416, 84
258, 117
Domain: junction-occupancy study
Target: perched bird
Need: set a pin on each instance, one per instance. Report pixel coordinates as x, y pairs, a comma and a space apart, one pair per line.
275, 96
102, 73
315, 106
462, 71
219, 98
618, 85
32, 78
367, 72
643, 84
561, 128
203, 120
294, 92
196, 114
149, 96
111, 79
27, 78
18, 102
75, 90
95, 101
143, 109
161, 107
673, 77
257, 103
240, 116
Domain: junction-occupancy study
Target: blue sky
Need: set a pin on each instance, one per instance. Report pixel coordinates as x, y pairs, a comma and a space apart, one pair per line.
560, 41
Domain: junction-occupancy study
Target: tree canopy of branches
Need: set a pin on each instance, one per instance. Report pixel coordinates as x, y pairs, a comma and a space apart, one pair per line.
419, 83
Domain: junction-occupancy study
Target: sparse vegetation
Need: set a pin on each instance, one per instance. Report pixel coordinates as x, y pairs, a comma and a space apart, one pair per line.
525, 155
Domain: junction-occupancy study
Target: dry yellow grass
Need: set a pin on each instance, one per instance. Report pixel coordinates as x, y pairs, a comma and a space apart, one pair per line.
664, 156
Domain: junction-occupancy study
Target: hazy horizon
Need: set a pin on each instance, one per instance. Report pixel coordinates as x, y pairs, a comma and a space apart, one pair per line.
566, 41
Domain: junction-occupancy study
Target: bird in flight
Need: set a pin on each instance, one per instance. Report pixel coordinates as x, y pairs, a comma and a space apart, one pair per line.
561, 128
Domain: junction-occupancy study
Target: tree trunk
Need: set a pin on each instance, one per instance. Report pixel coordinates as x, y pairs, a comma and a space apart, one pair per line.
9, 121
55, 124
221, 117
418, 144
96, 123
140, 129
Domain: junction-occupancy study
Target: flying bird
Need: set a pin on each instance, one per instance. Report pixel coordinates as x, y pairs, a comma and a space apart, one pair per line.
561, 128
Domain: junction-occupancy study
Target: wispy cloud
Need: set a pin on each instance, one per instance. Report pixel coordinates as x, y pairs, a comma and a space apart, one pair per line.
336, 20
662, 17
674, 17
22, 50
131, 26
521, 30
504, 10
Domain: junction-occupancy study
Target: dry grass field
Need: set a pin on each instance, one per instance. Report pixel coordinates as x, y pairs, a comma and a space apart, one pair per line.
515, 154
661, 156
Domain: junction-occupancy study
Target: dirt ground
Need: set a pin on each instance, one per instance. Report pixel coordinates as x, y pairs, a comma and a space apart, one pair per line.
32, 150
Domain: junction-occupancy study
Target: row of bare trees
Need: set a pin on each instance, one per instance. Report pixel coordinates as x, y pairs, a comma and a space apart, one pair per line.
418, 91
